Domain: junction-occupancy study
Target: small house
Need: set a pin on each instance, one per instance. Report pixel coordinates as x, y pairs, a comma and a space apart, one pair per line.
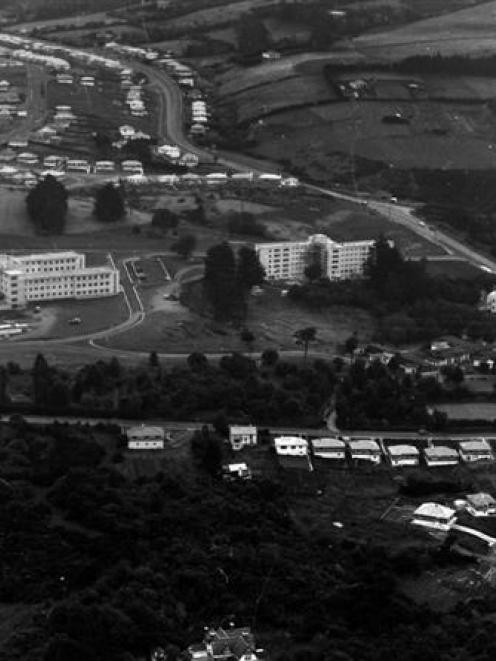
481, 504
476, 450
434, 516
403, 455
365, 450
241, 436
145, 437
440, 455
329, 448
291, 446
233, 644
236, 471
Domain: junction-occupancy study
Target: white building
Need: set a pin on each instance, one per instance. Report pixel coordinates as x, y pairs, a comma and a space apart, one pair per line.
434, 516
440, 455
291, 445
365, 450
55, 275
403, 455
242, 436
287, 260
329, 448
476, 450
145, 438
239, 471
481, 504
491, 302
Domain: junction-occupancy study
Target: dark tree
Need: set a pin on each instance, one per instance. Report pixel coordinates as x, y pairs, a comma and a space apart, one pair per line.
304, 336
249, 270
41, 379
47, 205
185, 245
197, 361
153, 360
270, 357
220, 282
165, 220
247, 337
351, 343
109, 204
313, 272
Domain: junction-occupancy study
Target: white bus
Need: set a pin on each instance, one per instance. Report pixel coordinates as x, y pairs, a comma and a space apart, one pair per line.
78, 165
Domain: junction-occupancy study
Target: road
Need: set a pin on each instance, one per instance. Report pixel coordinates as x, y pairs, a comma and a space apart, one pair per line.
175, 425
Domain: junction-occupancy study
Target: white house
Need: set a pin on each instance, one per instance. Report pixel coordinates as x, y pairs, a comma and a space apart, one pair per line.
476, 450
440, 455
329, 448
144, 437
241, 436
365, 450
434, 517
403, 455
233, 471
291, 445
481, 504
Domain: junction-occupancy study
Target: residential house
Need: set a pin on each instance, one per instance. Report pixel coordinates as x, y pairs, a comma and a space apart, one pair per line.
234, 644
434, 517
329, 448
236, 471
242, 436
365, 450
291, 445
476, 450
481, 504
145, 437
403, 455
440, 455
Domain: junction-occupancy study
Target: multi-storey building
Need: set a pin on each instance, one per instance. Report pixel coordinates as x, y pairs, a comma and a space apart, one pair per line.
287, 260
55, 275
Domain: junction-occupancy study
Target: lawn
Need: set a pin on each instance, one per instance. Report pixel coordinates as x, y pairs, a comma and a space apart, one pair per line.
468, 411
272, 319
456, 268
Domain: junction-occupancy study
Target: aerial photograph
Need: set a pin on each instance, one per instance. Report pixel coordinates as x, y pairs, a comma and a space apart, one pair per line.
247, 330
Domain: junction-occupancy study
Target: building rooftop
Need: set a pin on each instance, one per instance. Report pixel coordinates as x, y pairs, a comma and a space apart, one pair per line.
481, 499
242, 429
398, 450
476, 444
365, 444
434, 510
440, 451
328, 444
145, 429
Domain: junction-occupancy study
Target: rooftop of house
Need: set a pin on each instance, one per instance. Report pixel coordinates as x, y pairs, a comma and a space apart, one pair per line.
365, 444
328, 444
399, 450
237, 641
475, 445
434, 510
441, 451
242, 429
481, 499
141, 430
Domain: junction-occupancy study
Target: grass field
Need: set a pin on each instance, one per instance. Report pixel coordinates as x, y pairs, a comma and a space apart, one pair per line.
469, 31
468, 411
454, 269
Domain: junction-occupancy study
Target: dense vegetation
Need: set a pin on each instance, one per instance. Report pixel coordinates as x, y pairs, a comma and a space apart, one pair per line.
109, 203
409, 304
276, 392
105, 567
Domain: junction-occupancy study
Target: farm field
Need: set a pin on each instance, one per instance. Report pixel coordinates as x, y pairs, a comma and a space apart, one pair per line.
468, 411
469, 31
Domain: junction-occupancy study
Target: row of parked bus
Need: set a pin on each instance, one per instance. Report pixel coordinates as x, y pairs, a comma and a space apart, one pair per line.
60, 164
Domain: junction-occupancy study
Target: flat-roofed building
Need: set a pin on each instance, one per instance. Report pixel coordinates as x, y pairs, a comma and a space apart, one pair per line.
434, 516
476, 450
287, 260
242, 436
329, 448
441, 455
236, 471
291, 446
145, 437
365, 450
54, 275
403, 455
481, 504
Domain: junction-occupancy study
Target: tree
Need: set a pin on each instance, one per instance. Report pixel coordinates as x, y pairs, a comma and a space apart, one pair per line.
220, 281
249, 270
165, 220
185, 245
247, 337
197, 361
47, 205
270, 357
313, 272
304, 336
109, 203
41, 379
153, 360
351, 344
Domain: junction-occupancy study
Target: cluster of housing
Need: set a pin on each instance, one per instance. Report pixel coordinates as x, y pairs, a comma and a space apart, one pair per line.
9, 101
54, 275
468, 524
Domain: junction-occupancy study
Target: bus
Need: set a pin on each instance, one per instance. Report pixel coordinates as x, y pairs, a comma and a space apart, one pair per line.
104, 166
78, 165
132, 167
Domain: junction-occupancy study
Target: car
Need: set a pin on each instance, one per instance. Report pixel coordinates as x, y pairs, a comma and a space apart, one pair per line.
74, 321
37, 308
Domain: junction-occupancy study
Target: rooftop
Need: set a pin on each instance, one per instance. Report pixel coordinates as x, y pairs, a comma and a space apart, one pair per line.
364, 445
398, 450
476, 444
440, 451
434, 510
